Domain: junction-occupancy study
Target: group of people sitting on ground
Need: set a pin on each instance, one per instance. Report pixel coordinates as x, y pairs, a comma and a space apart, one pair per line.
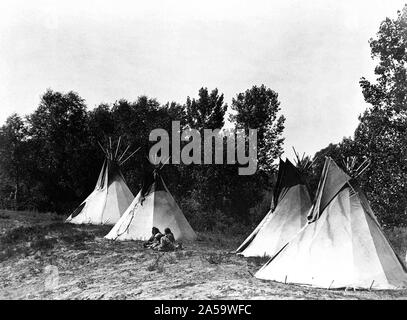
162, 242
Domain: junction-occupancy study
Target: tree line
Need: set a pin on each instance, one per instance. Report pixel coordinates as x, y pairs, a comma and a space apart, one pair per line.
50, 159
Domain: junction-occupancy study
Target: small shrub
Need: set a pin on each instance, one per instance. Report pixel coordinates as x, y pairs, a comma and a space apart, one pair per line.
82, 284
188, 253
171, 259
6, 253
156, 267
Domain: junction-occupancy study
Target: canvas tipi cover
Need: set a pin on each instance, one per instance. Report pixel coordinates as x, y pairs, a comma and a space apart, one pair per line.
291, 206
110, 198
343, 245
154, 206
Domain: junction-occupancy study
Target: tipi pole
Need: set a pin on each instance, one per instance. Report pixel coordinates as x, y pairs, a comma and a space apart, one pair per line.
110, 148
164, 163
117, 148
124, 153
104, 151
358, 171
121, 163
296, 155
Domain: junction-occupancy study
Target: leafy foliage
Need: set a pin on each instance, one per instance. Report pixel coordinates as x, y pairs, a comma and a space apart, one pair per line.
53, 156
381, 135
258, 108
206, 112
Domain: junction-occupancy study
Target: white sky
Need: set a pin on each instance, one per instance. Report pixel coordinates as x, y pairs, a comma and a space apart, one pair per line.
312, 53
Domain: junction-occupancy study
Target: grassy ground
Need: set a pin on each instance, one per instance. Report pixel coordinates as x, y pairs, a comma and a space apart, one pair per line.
43, 258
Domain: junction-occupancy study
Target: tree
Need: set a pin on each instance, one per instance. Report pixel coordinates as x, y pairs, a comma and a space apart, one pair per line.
207, 112
101, 122
62, 156
381, 134
389, 93
13, 153
257, 108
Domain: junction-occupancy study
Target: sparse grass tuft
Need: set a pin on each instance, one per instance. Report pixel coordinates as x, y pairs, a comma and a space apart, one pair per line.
171, 259
28, 240
82, 284
44, 244
179, 255
156, 265
188, 253
258, 261
216, 258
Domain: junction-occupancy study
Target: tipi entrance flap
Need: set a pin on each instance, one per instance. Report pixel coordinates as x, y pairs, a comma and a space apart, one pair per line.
168, 214
157, 208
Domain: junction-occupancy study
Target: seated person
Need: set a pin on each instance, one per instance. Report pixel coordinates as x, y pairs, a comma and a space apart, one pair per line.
167, 242
154, 240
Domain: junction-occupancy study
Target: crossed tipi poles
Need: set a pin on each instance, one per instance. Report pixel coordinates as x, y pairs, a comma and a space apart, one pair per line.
111, 195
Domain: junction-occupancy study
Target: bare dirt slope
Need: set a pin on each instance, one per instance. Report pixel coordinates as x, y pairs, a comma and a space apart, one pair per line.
43, 258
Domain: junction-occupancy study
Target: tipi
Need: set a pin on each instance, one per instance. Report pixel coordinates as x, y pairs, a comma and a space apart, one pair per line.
342, 246
111, 196
291, 206
154, 206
